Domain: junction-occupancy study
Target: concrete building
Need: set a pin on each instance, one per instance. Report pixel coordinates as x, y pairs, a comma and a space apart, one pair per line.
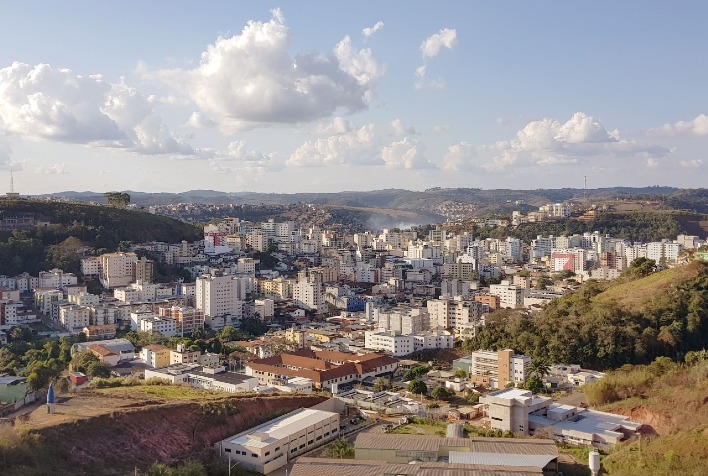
309, 295
164, 326
187, 319
117, 269
122, 347
209, 378
221, 298
271, 445
510, 296
55, 278
264, 308
494, 369
519, 411
155, 355
455, 313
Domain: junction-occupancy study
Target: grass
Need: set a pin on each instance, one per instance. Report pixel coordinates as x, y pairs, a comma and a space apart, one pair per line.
684, 452
421, 426
634, 294
167, 392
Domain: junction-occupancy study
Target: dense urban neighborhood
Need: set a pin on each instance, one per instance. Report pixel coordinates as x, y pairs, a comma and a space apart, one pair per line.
397, 332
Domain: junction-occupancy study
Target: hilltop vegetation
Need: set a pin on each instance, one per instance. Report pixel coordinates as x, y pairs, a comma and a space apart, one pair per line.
669, 399
75, 226
606, 325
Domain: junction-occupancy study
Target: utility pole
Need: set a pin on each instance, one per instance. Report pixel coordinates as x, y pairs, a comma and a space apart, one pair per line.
232, 466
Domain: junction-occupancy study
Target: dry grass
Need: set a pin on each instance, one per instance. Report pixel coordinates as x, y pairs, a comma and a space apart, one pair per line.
634, 294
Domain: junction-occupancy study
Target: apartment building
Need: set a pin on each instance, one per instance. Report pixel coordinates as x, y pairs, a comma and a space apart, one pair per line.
510, 296
220, 296
164, 326
117, 269
455, 313
494, 369
55, 278
155, 355
187, 319
74, 318
309, 295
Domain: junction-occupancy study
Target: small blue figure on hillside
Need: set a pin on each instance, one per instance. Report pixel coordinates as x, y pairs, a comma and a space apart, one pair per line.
50, 398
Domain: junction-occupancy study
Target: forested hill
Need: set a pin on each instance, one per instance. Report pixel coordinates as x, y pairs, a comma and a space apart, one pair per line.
74, 226
632, 320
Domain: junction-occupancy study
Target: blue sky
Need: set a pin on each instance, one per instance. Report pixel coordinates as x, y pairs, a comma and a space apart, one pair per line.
298, 96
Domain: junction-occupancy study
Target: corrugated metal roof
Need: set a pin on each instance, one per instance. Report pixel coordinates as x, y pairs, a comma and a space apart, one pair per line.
480, 445
337, 467
500, 459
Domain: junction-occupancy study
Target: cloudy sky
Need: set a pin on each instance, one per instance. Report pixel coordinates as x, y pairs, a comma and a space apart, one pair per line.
332, 96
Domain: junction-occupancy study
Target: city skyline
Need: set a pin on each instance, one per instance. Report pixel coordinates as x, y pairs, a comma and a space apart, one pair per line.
253, 97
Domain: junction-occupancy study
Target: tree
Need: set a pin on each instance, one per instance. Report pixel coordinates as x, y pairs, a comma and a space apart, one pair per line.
418, 387
459, 373
341, 449
98, 369
534, 384
539, 368
117, 199
381, 384
441, 393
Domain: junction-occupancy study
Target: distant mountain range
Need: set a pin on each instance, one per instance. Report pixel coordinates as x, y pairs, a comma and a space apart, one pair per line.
388, 198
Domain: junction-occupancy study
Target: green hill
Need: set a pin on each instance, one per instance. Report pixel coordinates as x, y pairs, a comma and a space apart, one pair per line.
669, 400
632, 320
75, 225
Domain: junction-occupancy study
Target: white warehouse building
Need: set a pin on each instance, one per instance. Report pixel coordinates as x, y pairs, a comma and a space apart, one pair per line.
271, 445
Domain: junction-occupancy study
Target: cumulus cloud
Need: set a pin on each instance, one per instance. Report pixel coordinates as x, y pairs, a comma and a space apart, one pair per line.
406, 154
421, 71
445, 38
56, 104
460, 157
399, 128
56, 169
251, 79
692, 164
42, 102
549, 142
337, 126
697, 126
357, 147
369, 32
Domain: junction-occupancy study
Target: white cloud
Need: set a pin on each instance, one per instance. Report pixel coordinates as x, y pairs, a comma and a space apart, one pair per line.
459, 157
549, 142
359, 147
692, 164
369, 32
56, 169
441, 128
652, 163
251, 80
446, 38
405, 154
697, 126
42, 102
399, 128
200, 121
338, 125
420, 71
55, 104
438, 83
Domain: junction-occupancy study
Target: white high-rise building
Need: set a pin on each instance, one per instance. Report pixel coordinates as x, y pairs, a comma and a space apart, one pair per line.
309, 295
220, 296
510, 296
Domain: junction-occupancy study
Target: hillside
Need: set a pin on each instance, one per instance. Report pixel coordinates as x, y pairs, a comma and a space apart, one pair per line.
95, 226
671, 402
113, 433
605, 325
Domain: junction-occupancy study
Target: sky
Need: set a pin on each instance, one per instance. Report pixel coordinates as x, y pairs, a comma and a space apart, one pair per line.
316, 96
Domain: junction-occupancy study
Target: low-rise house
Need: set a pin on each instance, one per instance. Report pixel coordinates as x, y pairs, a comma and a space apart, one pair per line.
105, 331
155, 355
209, 378
121, 347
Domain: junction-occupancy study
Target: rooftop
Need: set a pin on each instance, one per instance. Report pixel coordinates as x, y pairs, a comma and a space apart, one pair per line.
280, 428
477, 445
333, 467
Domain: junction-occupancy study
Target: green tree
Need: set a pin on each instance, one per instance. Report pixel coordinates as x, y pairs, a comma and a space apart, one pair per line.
117, 199
460, 373
381, 384
340, 449
539, 368
534, 384
441, 393
418, 387
98, 369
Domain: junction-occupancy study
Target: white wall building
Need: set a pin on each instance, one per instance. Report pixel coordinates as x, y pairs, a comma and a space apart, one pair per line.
271, 445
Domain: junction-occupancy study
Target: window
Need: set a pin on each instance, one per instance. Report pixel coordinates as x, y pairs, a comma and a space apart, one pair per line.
310, 442
278, 448
254, 455
318, 438
266, 453
228, 450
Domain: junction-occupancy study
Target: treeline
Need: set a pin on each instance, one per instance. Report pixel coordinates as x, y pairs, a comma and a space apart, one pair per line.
602, 334
643, 227
74, 226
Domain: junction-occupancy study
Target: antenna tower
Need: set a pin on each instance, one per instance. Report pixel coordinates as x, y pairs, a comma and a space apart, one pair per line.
585, 188
12, 181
